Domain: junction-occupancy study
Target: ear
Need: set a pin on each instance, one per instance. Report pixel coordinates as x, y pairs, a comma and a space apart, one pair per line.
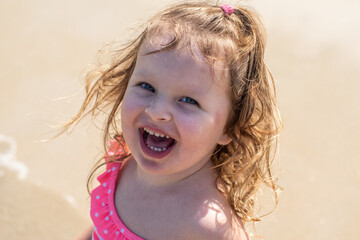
224, 139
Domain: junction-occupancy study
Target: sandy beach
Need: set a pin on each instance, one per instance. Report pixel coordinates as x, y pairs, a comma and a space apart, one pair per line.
46, 47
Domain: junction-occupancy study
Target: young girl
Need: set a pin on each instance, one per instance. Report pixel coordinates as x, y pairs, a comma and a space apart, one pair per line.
198, 115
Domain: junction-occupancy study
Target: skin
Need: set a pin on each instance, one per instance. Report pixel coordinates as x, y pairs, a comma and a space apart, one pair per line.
174, 196
174, 94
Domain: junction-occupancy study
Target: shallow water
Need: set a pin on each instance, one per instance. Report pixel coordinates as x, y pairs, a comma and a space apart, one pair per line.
312, 51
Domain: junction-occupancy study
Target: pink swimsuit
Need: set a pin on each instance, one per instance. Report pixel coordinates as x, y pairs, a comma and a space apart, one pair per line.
107, 224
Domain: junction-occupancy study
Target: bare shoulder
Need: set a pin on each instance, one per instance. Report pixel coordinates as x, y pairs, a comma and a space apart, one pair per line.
216, 221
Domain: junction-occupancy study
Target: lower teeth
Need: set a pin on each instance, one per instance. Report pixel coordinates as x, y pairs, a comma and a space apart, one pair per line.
155, 149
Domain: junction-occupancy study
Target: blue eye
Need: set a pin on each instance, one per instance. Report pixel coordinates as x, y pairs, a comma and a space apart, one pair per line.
147, 87
189, 100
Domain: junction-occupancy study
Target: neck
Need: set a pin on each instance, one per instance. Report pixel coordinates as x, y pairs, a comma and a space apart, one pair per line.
203, 174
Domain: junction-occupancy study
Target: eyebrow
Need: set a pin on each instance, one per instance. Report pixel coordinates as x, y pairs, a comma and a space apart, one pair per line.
142, 72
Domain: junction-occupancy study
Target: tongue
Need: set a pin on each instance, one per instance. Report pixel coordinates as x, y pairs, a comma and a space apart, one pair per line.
159, 142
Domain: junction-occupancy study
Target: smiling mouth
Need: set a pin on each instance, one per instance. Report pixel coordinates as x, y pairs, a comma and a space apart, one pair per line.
156, 142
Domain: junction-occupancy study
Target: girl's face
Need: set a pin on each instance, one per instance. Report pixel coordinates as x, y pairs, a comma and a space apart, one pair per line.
174, 113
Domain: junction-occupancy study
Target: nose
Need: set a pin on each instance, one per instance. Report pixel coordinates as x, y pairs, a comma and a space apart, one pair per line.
158, 110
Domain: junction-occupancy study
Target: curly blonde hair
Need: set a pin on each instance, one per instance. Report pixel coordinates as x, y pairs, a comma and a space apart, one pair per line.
254, 122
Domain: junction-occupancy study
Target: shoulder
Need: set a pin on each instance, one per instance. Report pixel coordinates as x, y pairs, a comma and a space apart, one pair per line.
217, 221
219, 230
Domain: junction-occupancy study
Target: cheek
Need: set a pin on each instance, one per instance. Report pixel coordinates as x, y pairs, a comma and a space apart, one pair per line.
130, 110
220, 118
128, 114
204, 128
195, 125
130, 106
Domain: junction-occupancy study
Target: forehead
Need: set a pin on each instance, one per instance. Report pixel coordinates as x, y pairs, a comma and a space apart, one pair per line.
186, 52
165, 43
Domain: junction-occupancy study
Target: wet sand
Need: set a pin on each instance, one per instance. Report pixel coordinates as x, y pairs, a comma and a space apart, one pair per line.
312, 51
29, 211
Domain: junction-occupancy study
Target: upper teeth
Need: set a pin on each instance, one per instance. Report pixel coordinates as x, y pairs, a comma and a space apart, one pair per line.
155, 133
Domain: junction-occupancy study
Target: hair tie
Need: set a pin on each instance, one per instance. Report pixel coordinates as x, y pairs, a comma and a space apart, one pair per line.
228, 10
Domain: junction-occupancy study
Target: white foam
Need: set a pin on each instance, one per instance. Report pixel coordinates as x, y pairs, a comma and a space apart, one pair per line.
8, 148
70, 199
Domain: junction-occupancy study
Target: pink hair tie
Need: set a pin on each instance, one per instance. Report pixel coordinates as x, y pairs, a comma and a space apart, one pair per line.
228, 10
